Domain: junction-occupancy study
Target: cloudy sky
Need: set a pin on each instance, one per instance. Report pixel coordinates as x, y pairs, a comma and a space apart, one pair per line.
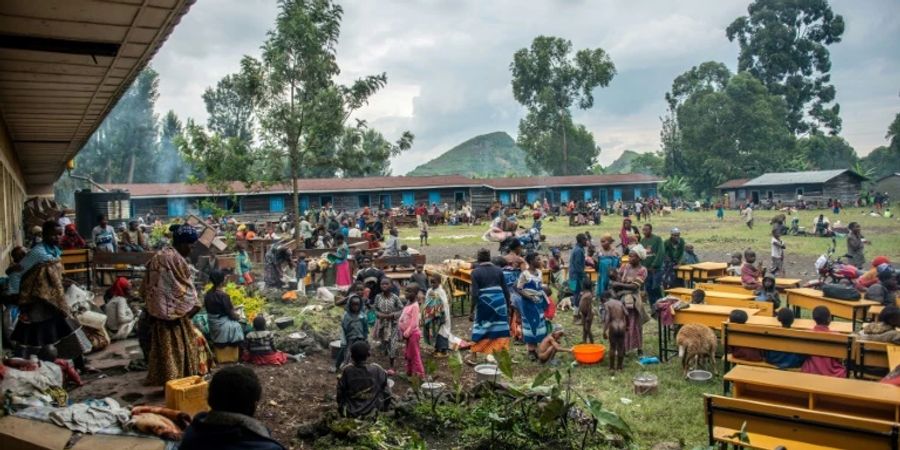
448, 62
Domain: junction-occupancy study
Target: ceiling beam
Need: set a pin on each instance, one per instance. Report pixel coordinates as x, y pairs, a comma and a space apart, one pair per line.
52, 45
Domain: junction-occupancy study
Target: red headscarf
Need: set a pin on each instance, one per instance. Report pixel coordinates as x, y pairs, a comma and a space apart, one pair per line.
879, 260
120, 287
71, 240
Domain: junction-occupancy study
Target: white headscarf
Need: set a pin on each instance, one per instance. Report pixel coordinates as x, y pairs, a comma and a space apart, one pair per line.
640, 250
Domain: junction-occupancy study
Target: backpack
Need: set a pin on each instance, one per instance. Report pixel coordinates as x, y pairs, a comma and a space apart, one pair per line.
840, 291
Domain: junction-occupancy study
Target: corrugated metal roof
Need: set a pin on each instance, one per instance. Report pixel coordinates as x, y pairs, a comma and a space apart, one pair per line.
807, 177
329, 185
730, 184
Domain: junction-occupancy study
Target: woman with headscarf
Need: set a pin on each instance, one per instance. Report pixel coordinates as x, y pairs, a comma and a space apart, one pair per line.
225, 328
628, 287
341, 262
120, 320
628, 235
45, 318
490, 312
171, 300
71, 240
275, 259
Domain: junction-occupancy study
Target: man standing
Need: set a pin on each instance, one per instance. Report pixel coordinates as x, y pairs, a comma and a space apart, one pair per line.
674, 251
653, 263
856, 246
576, 270
570, 210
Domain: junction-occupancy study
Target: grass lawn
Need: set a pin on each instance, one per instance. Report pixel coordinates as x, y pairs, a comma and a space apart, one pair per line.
706, 233
676, 412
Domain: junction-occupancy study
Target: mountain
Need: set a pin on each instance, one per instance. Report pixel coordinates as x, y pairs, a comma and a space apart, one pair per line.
489, 155
622, 164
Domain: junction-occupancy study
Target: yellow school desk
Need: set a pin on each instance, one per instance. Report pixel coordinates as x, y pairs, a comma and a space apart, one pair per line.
464, 275
591, 273
685, 294
733, 288
780, 283
805, 298
800, 324
685, 273
708, 271
851, 397
709, 315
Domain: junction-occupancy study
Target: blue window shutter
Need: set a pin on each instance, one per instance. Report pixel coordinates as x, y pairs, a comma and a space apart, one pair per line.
564, 196
409, 198
177, 207
434, 197
276, 204
603, 199
637, 193
617, 194
588, 195
532, 196
304, 204
504, 198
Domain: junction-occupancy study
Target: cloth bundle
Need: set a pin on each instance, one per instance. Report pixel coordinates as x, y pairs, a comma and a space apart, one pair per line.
90, 416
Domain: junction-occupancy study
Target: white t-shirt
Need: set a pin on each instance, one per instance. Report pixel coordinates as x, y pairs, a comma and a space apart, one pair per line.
777, 250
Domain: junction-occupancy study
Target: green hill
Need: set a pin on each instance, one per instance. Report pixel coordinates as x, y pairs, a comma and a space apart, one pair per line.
489, 155
626, 164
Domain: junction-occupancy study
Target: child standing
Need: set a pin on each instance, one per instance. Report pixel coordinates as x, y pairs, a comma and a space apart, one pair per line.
354, 325
777, 253
720, 212
586, 311
614, 326
420, 278
438, 319
550, 312
260, 345
409, 327
823, 365
423, 232
750, 273
302, 270
388, 308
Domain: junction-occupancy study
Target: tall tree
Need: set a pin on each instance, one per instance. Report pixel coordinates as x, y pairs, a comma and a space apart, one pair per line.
170, 164
232, 104
363, 152
732, 131
548, 82
784, 44
123, 149
825, 152
217, 160
303, 108
885, 160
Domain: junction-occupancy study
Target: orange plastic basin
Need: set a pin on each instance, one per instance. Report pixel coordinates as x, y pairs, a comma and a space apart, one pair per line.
588, 353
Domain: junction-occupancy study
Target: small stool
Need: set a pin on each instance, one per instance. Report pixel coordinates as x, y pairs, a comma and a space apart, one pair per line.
227, 355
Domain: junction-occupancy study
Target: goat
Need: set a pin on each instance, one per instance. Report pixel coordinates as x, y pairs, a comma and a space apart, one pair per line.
695, 343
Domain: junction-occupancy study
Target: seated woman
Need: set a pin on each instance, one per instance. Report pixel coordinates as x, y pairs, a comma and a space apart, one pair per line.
224, 326
120, 319
261, 345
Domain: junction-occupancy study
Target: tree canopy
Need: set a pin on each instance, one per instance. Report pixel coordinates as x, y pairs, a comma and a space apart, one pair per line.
824, 152
548, 81
784, 43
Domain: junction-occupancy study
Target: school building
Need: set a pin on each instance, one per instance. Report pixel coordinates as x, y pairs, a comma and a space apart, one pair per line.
814, 187
63, 66
178, 199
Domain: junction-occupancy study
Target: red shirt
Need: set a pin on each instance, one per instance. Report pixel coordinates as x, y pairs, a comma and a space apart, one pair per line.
420, 211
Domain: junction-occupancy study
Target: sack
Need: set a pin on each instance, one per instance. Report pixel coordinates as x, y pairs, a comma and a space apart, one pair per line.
840, 292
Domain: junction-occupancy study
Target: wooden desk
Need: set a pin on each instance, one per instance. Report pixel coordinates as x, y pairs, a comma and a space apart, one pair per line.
854, 310
816, 392
708, 271
893, 355
685, 273
800, 324
592, 274
464, 275
399, 276
870, 355
685, 294
780, 283
709, 315
733, 288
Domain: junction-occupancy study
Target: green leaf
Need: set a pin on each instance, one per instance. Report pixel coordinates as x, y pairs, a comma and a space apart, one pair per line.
542, 377
430, 366
612, 421
551, 411
504, 362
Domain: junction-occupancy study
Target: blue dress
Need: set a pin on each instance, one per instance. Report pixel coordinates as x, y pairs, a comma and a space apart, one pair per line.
534, 327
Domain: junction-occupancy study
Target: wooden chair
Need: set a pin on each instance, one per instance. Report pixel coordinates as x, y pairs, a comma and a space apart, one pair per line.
805, 342
78, 263
120, 262
770, 426
459, 292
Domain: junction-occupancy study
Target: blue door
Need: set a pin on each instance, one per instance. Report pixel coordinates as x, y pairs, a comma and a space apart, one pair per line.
637, 193
434, 197
617, 194
532, 197
304, 204
409, 198
564, 196
504, 198
177, 207
385, 200
603, 199
276, 204
364, 200
588, 195
651, 193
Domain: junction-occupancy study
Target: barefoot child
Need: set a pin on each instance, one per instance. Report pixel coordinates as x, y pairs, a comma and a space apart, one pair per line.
423, 233
550, 345
614, 325
409, 328
586, 311
388, 308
